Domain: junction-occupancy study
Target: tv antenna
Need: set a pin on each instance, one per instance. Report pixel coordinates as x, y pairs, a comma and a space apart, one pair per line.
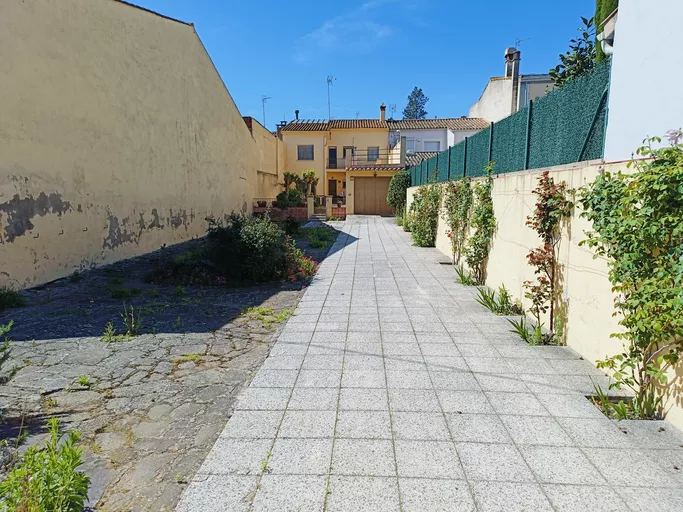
392, 108
357, 114
519, 41
264, 98
330, 81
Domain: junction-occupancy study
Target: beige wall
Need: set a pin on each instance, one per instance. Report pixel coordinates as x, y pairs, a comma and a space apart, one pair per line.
267, 153
293, 139
117, 136
586, 290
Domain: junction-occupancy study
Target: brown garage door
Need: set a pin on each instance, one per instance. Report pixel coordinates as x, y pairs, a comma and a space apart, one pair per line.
371, 196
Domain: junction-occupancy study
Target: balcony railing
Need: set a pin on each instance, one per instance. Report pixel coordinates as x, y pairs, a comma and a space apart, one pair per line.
361, 157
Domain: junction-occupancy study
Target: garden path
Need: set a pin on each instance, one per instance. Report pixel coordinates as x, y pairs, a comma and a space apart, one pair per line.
393, 389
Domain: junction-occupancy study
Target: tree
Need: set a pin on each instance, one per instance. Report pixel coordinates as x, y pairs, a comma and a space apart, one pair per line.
581, 57
415, 109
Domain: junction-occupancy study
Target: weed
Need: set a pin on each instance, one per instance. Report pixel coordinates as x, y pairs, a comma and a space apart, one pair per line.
503, 305
179, 479
84, 380
464, 278
189, 358
115, 281
178, 324
109, 335
320, 237
155, 293
124, 293
152, 307
5, 352
132, 321
533, 335
179, 291
49, 402
10, 298
47, 479
264, 462
75, 277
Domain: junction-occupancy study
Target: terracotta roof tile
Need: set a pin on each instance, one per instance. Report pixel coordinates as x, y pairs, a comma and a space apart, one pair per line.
350, 124
417, 157
453, 123
306, 125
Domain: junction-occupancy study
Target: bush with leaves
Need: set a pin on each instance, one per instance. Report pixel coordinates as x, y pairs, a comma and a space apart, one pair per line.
457, 204
396, 194
552, 206
581, 57
10, 298
424, 214
638, 227
5, 353
290, 198
484, 225
47, 479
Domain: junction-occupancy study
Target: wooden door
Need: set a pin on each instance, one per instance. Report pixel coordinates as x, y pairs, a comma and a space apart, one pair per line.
332, 188
371, 196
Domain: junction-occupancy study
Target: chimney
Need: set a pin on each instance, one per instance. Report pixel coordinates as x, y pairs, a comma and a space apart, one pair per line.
296, 113
382, 112
512, 58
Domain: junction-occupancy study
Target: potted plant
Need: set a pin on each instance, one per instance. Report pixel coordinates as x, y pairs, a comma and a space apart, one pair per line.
261, 204
339, 204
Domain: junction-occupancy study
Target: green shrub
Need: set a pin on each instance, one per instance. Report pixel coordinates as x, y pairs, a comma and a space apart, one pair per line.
398, 187
291, 226
5, 352
47, 479
637, 226
124, 293
290, 198
424, 214
10, 298
484, 224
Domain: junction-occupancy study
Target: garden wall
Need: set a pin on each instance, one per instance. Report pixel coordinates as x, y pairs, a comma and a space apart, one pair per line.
117, 136
586, 290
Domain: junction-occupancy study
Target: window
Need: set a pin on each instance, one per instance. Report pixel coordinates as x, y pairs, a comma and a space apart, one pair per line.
305, 152
432, 145
373, 154
410, 145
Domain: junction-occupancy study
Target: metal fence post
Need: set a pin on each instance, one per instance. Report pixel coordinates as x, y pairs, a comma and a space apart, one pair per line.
448, 176
528, 135
491, 143
464, 159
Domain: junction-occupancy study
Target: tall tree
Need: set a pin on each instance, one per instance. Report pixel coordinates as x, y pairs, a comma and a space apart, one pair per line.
415, 109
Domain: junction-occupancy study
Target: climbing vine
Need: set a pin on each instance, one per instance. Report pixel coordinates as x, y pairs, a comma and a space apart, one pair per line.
424, 214
457, 206
638, 226
552, 206
484, 225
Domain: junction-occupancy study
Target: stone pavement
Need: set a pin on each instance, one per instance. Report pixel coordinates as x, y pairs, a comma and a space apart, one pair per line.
392, 389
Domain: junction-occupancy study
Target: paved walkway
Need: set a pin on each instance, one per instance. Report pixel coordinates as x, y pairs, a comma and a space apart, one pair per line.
392, 389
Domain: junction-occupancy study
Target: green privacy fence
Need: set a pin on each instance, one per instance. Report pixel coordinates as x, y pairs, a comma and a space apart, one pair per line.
566, 126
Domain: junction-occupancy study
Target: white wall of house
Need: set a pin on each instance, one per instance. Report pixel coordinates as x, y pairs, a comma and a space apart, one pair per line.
457, 136
646, 98
425, 140
495, 102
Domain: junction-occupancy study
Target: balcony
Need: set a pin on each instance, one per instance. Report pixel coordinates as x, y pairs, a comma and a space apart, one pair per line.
365, 157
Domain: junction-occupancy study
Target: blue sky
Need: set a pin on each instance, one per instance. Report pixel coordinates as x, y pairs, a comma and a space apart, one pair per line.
376, 49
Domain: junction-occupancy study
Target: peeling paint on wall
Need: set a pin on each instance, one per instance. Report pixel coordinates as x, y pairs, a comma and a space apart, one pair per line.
19, 212
117, 236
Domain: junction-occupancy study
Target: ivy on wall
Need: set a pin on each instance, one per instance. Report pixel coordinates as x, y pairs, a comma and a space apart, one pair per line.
552, 206
638, 226
484, 225
457, 203
424, 214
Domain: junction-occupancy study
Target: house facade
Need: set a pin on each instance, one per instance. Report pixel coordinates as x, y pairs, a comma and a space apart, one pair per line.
353, 159
426, 136
505, 95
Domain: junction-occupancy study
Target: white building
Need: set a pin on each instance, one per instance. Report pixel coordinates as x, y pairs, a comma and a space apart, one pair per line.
505, 95
434, 135
645, 97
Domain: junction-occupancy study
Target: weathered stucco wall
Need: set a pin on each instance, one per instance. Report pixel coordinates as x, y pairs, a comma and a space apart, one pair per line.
117, 136
495, 102
586, 290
